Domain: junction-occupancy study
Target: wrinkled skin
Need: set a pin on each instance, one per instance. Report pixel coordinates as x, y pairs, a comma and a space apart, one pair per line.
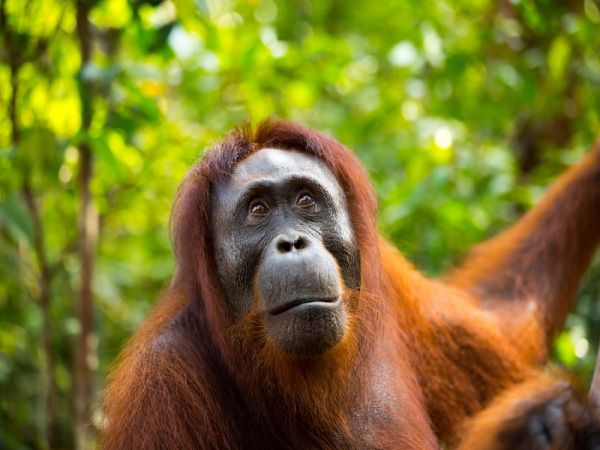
286, 247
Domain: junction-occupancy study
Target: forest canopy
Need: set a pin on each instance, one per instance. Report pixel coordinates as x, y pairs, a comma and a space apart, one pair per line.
462, 111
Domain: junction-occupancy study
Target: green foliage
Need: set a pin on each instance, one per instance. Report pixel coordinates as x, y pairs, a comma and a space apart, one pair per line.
462, 111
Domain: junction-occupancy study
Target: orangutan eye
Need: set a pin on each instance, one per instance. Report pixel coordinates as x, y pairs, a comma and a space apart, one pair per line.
305, 201
258, 208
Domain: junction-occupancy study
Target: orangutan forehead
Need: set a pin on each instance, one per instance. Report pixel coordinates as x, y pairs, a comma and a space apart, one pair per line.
272, 164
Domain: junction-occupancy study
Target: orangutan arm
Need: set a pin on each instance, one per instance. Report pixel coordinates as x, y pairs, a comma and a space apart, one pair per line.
538, 262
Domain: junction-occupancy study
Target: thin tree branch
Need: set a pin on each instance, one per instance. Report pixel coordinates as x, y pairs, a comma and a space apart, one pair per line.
85, 348
15, 62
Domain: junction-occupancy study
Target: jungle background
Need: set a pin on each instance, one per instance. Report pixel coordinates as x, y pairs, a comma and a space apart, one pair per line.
463, 111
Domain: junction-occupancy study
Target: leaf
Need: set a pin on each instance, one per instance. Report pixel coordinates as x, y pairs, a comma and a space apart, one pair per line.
104, 152
558, 57
16, 219
565, 350
40, 152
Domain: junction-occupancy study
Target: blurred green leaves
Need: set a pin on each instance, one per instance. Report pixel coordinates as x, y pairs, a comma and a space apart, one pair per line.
462, 111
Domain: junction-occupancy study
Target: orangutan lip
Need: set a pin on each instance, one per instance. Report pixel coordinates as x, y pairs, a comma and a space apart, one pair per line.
302, 301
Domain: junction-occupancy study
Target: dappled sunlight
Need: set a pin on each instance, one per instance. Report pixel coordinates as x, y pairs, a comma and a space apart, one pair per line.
462, 113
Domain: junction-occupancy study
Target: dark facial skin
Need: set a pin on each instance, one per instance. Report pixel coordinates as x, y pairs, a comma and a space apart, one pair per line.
283, 238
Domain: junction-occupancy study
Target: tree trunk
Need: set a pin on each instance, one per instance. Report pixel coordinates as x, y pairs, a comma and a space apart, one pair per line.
85, 348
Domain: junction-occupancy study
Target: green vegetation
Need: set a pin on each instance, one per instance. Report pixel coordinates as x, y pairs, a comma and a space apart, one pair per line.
463, 111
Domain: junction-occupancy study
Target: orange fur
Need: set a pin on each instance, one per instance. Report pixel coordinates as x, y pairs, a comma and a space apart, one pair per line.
420, 358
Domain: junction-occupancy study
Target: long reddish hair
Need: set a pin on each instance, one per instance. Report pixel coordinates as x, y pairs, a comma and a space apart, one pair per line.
196, 274
318, 387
